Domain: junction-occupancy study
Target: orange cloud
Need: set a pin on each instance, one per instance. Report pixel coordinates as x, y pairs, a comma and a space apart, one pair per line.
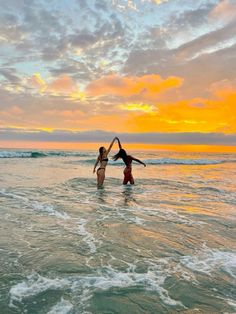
146, 87
153, 114
37, 81
217, 114
225, 9
12, 111
64, 113
63, 84
137, 107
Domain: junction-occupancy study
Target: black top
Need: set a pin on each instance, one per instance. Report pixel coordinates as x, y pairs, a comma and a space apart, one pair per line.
105, 159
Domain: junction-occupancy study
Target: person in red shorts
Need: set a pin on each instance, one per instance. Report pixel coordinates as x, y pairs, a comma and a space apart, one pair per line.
128, 177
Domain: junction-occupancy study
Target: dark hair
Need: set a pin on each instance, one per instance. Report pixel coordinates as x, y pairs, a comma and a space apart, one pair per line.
121, 154
101, 151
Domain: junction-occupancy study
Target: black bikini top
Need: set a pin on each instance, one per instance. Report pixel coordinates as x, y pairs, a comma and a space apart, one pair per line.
105, 159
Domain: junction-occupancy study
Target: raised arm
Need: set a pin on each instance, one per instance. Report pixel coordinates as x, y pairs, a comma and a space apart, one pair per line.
139, 161
109, 148
95, 165
119, 142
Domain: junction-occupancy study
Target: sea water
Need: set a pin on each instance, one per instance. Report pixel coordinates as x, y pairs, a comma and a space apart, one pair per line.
165, 245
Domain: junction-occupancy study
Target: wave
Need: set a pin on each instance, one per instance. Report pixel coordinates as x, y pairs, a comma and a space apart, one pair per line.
169, 161
159, 161
40, 154
103, 279
175, 161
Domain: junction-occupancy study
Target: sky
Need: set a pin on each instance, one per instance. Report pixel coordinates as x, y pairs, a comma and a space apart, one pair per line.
151, 71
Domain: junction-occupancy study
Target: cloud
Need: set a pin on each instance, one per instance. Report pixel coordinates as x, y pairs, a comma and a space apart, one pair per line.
11, 134
87, 65
14, 110
146, 87
216, 114
201, 62
123, 5
63, 85
224, 10
159, 1
137, 107
10, 75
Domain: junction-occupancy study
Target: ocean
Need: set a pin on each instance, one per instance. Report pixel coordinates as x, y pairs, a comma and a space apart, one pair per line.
165, 245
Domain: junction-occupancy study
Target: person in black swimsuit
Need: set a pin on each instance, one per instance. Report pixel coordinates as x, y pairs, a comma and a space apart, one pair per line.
102, 160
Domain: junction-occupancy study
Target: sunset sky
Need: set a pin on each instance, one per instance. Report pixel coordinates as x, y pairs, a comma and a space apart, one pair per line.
152, 71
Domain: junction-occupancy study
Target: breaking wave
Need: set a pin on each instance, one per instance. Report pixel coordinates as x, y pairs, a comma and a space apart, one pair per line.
40, 154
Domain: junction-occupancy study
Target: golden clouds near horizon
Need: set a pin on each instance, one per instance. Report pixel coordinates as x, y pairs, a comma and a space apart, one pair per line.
137, 107
215, 114
132, 104
146, 86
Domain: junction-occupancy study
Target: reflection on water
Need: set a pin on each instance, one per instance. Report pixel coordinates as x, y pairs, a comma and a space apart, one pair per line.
164, 245
128, 195
101, 195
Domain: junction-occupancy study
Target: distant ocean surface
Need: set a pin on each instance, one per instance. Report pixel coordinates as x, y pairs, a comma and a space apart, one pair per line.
165, 245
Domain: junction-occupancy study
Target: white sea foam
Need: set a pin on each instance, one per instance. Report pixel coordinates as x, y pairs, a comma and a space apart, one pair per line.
152, 280
137, 220
33, 285
210, 260
175, 161
83, 287
62, 307
38, 154
168, 215
14, 154
36, 205
48, 208
12, 195
88, 237
231, 303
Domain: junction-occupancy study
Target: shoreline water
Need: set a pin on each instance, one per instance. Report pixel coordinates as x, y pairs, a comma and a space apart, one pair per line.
165, 245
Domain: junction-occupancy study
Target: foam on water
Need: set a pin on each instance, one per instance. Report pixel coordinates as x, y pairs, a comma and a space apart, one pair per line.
79, 270
171, 161
62, 307
40, 154
209, 260
15, 154
12, 195
169, 215
33, 285
153, 161
175, 161
104, 279
231, 303
49, 209
36, 205
88, 238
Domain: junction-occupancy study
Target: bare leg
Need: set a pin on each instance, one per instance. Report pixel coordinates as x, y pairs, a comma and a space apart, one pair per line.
126, 177
131, 180
125, 181
100, 177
